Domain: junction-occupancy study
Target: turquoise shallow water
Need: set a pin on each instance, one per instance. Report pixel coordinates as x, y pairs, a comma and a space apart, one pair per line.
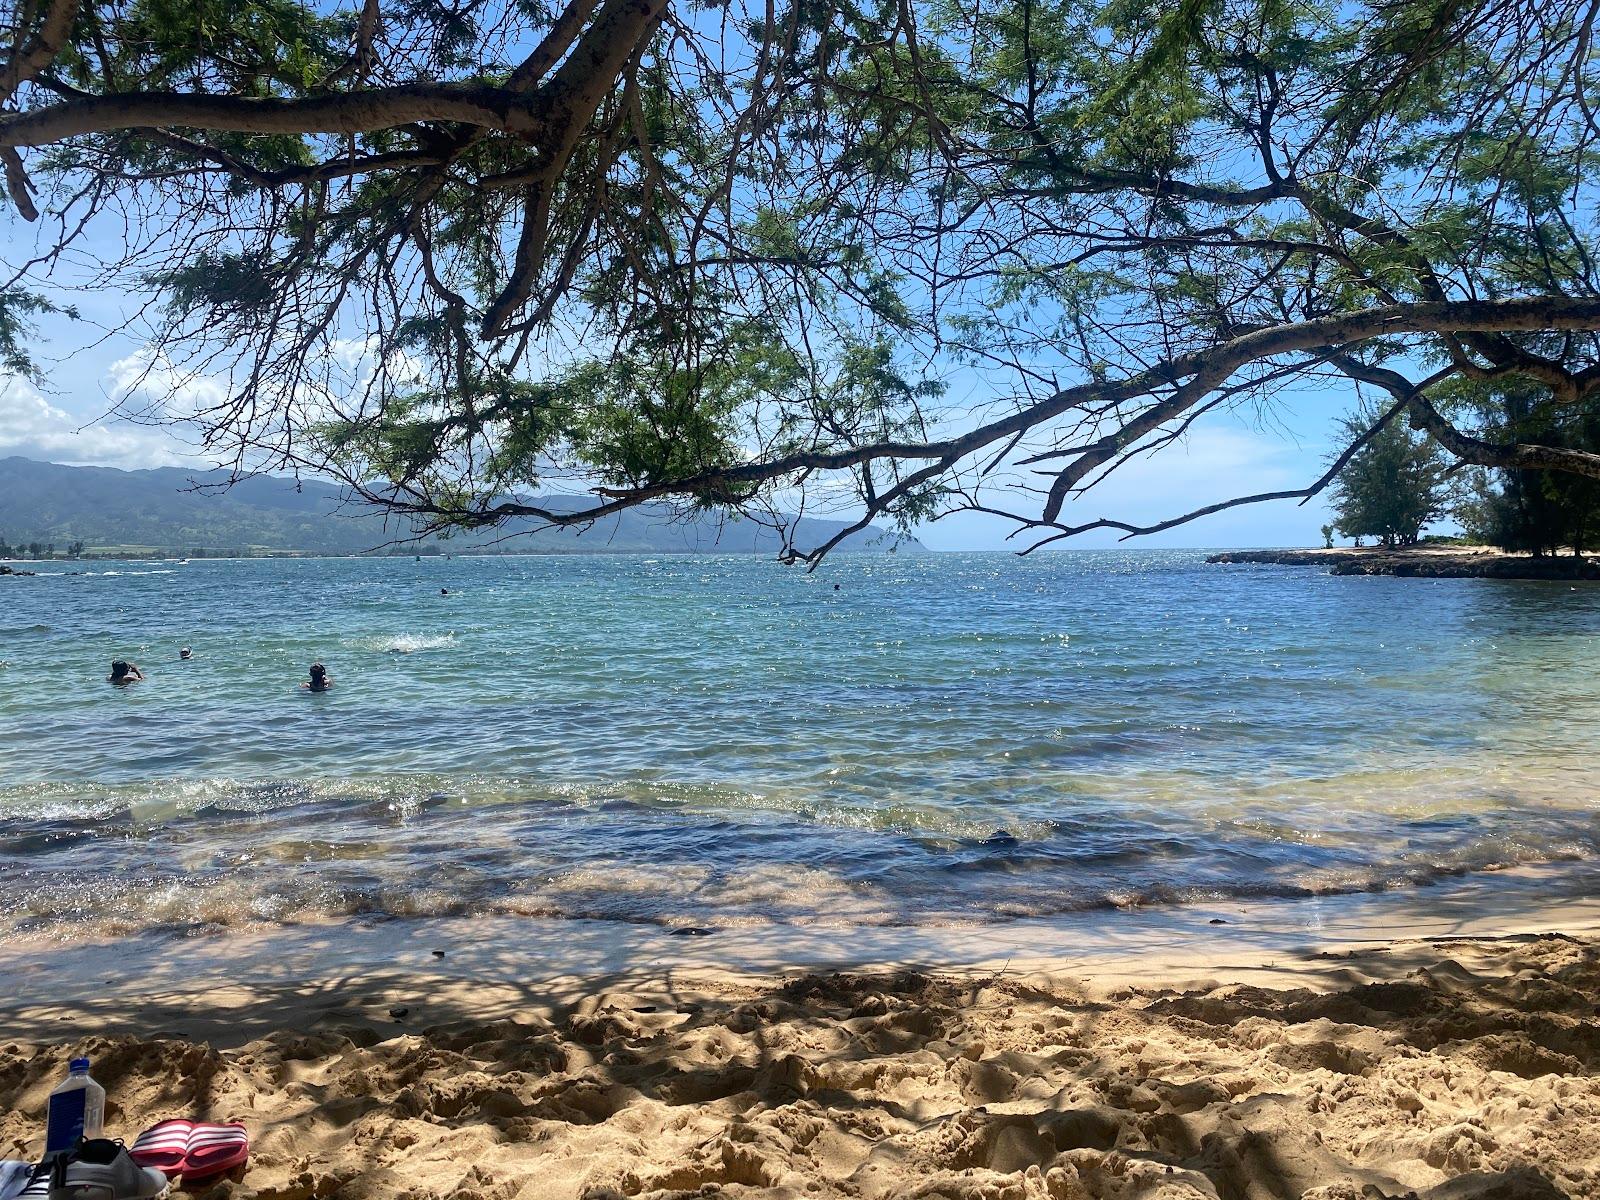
705, 740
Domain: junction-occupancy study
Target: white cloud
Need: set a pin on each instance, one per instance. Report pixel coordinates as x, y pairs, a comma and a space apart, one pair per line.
154, 386
149, 384
33, 427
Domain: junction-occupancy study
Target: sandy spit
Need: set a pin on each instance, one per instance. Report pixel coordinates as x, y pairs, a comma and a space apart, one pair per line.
1450, 1070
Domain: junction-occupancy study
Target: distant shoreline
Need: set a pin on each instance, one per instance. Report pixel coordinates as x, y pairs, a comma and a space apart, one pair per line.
23, 566
1425, 562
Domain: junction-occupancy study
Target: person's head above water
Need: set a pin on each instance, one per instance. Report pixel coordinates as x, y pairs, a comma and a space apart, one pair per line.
123, 671
186, 653
319, 681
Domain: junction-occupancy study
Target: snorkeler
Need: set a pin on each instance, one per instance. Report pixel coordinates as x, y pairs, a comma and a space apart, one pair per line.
320, 680
186, 654
123, 671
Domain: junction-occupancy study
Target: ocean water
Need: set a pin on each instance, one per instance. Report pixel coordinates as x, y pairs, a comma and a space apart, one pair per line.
896, 739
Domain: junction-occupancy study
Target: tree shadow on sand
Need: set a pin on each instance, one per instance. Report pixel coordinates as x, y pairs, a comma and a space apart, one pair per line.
1458, 1071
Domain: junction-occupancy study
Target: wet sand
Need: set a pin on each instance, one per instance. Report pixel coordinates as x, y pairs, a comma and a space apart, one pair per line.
1442, 1042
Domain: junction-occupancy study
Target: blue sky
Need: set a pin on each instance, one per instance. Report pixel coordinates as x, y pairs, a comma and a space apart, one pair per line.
67, 421
1227, 454
1220, 460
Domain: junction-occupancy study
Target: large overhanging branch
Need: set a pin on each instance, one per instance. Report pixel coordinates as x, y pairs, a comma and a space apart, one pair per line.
364, 111
1129, 530
1185, 379
1477, 452
590, 69
551, 116
1210, 368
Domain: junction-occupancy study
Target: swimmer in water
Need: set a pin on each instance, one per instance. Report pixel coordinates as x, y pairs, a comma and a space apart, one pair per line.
123, 671
186, 654
320, 680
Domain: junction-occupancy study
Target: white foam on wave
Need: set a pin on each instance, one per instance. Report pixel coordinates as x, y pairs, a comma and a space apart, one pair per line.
113, 574
411, 643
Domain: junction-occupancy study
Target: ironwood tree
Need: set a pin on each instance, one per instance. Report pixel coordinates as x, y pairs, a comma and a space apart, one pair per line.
908, 255
1394, 486
1541, 512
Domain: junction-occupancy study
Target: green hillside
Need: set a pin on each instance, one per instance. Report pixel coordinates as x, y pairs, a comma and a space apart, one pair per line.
182, 512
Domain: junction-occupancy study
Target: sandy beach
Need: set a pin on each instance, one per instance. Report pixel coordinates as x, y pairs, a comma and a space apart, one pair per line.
1159, 1060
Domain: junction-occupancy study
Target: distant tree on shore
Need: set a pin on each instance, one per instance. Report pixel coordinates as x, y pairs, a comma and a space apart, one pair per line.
1393, 485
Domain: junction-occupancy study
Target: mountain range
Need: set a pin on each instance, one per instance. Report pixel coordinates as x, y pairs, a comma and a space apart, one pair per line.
187, 512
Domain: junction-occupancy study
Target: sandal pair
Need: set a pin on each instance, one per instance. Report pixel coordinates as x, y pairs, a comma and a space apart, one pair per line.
196, 1150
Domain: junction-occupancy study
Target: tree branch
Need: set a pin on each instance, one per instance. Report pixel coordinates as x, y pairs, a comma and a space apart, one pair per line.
344, 112
1211, 365
1519, 456
36, 54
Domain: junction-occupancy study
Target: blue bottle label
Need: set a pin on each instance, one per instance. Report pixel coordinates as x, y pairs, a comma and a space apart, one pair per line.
65, 1124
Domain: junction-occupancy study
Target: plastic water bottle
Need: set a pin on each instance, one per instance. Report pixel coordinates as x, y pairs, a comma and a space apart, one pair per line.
77, 1110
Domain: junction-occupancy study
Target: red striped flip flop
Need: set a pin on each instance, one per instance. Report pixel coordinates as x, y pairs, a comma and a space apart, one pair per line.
197, 1150
214, 1149
163, 1147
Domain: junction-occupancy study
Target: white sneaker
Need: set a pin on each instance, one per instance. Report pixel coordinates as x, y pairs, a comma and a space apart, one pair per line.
101, 1170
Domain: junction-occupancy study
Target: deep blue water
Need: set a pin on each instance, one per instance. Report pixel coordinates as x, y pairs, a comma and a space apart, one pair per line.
716, 740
